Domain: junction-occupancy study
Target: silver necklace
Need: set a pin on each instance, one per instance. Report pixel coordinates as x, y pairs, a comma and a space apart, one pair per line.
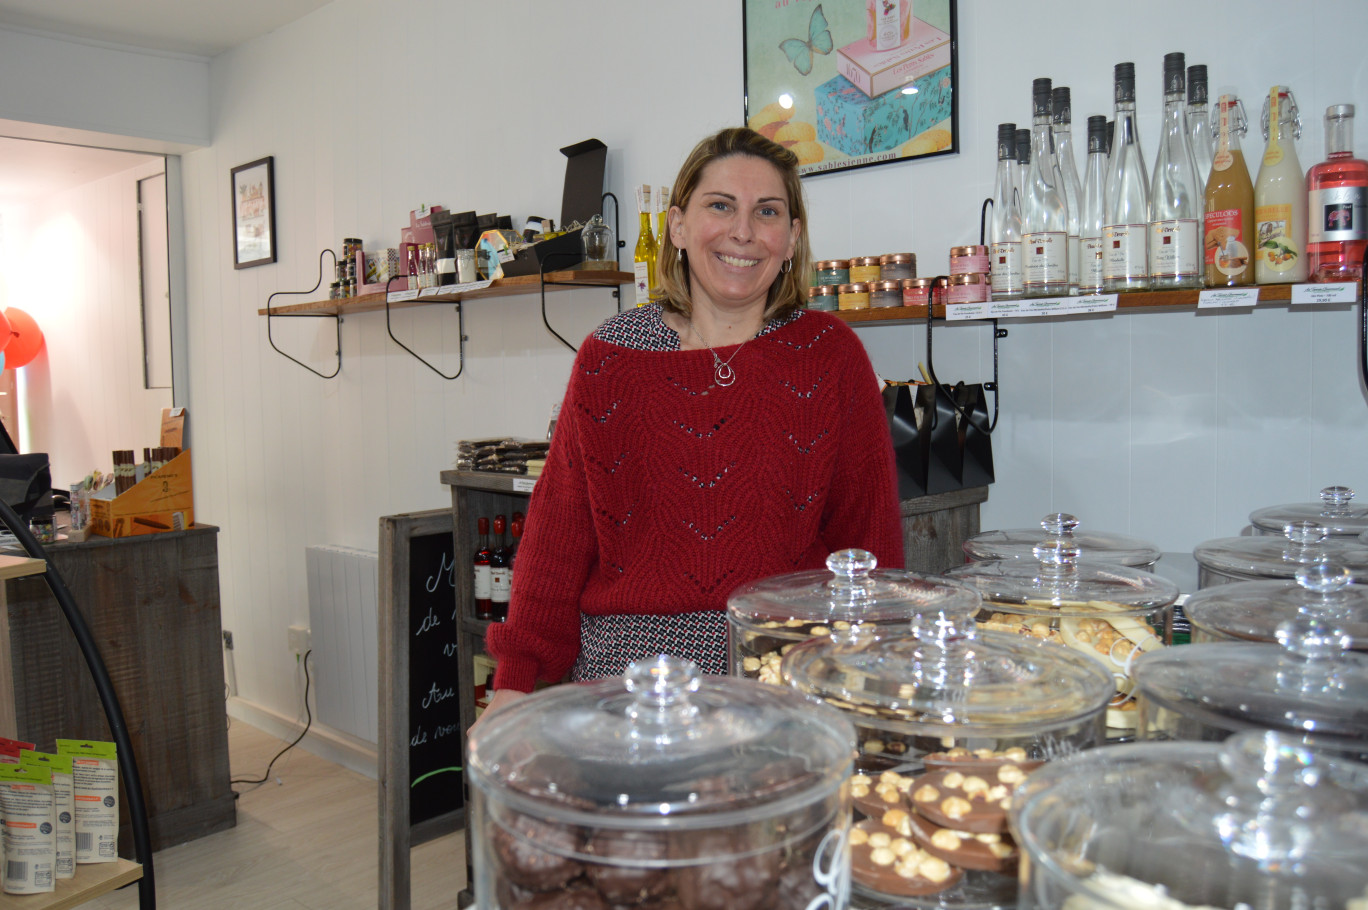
723, 374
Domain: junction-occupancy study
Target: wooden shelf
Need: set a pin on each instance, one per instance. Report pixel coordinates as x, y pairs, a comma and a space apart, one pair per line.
92, 880
503, 287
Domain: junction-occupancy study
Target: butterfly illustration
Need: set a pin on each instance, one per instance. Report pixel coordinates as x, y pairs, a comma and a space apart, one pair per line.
818, 41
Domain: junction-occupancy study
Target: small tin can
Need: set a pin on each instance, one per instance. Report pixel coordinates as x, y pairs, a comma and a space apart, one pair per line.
854, 296
886, 292
823, 297
898, 266
968, 259
916, 291
864, 269
835, 272
967, 288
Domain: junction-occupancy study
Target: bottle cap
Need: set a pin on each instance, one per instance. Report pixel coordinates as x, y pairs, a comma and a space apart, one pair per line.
1023, 146
1040, 96
1061, 105
1097, 134
482, 525
499, 523
1174, 73
1339, 111
1197, 83
1006, 140
1124, 82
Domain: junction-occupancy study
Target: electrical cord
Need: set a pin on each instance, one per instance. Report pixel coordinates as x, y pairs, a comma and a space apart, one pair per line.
309, 723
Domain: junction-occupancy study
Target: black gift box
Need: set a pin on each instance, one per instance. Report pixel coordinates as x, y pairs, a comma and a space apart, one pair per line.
581, 200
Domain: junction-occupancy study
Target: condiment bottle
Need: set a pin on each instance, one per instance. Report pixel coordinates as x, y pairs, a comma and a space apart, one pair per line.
1229, 227
1280, 196
1337, 191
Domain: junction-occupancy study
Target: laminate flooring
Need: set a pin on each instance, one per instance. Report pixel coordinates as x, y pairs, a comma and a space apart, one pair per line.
307, 840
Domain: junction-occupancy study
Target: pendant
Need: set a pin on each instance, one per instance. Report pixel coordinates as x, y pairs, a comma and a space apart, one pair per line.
725, 375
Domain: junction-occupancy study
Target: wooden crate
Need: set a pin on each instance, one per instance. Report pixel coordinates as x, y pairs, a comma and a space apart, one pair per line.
936, 527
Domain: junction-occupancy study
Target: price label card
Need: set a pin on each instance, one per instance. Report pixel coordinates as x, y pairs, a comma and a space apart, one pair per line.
1342, 292
429, 292
401, 296
524, 484
955, 312
449, 289
1216, 298
1053, 306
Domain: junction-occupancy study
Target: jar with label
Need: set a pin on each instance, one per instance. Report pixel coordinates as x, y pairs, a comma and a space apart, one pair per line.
864, 269
1280, 195
853, 296
969, 259
885, 292
823, 297
898, 266
916, 291
833, 271
967, 288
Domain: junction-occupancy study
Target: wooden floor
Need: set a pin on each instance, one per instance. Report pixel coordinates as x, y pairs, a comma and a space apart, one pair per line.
308, 842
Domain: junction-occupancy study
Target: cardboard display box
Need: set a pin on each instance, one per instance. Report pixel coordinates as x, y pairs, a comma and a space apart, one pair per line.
162, 501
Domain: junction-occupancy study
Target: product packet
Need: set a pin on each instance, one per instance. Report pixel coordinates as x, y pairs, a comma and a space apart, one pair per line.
10, 749
30, 830
95, 785
63, 796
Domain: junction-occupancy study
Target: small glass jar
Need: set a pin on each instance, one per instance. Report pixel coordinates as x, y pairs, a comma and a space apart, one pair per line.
898, 266
853, 296
597, 241
916, 291
833, 271
885, 293
965, 260
967, 287
864, 269
823, 297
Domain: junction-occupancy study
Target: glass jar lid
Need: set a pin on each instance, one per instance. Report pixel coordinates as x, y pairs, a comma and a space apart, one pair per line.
853, 589
1054, 578
1335, 512
1098, 546
1302, 543
1253, 610
945, 671
1257, 820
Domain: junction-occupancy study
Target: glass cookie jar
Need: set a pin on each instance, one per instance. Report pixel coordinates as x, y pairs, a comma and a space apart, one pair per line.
1254, 610
1303, 543
1335, 512
768, 617
661, 788
1095, 546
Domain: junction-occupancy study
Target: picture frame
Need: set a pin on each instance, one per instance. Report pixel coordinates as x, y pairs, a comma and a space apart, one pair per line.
254, 223
853, 83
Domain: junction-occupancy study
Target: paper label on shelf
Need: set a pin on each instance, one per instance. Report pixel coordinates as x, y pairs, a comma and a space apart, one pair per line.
1339, 292
1051, 306
401, 296
1227, 297
524, 484
449, 289
429, 292
958, 311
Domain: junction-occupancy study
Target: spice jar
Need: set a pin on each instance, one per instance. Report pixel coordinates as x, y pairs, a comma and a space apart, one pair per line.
885, 293
853, 296
833, 271
967, 288
916, 291
823, 297
898, 265
864, 268
965, 260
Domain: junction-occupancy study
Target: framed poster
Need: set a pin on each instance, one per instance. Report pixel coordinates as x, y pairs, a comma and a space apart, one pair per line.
254, 235
851, 83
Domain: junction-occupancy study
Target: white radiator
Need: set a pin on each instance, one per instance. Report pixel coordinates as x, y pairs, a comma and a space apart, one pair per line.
343, 628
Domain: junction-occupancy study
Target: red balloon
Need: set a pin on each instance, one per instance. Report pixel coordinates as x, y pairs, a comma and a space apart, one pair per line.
25, 338
5, 333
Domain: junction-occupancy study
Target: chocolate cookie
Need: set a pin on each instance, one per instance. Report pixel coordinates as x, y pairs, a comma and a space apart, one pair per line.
979, 760
732, 881
964, 849
640, 877
519, 843
967, 802
883, 860
875, 795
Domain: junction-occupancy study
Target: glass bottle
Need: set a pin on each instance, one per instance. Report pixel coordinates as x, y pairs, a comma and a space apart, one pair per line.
1176, 198
1337, 189
662, 210
515, 530
500, 579
1280, 195
1229, 224
1023, 160
1200, 137
644, 258
1005, 258
483, 608
1044, 210
1094, 205
1125, 234
1060, 106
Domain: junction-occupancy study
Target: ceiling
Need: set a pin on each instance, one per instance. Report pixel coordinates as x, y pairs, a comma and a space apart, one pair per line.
31, 170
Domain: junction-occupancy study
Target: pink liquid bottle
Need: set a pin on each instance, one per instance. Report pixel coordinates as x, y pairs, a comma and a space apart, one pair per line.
1337, 204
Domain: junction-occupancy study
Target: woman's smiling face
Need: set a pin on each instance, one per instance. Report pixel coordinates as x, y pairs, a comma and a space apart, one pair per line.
736, 231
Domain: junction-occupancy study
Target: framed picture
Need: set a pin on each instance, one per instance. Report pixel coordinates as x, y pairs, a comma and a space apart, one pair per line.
851, 83
254, 234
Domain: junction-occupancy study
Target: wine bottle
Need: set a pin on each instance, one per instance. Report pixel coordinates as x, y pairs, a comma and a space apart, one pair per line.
1229, 222
1094, 207
1023, 160
1005, 259
644, 258
1200, 137
500, 582
1175, 197
1061, 108
1280, 195
1337, 190
1044, 211
483, 607
1125, 234
515, 529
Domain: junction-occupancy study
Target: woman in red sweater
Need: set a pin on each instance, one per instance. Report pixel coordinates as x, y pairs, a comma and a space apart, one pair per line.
720, 435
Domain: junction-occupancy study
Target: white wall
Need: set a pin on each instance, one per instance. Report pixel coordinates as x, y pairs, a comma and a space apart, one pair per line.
1172, 426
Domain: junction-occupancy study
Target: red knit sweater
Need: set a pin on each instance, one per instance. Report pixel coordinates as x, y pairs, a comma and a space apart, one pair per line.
662, 495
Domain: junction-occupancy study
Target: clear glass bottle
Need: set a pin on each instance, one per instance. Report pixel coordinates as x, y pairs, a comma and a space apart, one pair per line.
1229, 220
1061, 111
1337, 190
661, 213
1023, 160
644, 258
1044, 210
1280, 195
1126, 232
1094, 207
1176, 198
1005, 256
1200, 137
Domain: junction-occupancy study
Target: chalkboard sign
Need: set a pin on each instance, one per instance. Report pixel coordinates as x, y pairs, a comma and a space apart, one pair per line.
434, 710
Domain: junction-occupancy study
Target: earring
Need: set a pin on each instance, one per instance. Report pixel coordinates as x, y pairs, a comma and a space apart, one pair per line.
786, 267
679, 256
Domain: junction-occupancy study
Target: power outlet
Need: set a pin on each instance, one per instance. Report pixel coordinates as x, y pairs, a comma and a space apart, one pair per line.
299, 640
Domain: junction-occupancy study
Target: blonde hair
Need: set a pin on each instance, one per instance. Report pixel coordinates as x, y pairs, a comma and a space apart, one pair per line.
789, 290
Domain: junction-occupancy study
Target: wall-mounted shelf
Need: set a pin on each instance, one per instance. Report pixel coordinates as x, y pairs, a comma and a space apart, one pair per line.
90, 882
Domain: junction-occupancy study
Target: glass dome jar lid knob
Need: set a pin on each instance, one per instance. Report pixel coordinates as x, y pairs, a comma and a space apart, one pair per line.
1056, 557
1303, 534
1336, 500
661, 688
1325, 578
1313, 637
1060, 524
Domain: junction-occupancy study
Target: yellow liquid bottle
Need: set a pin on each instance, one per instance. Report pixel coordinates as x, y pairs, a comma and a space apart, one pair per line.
1229, 222
662, 210
644, 259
